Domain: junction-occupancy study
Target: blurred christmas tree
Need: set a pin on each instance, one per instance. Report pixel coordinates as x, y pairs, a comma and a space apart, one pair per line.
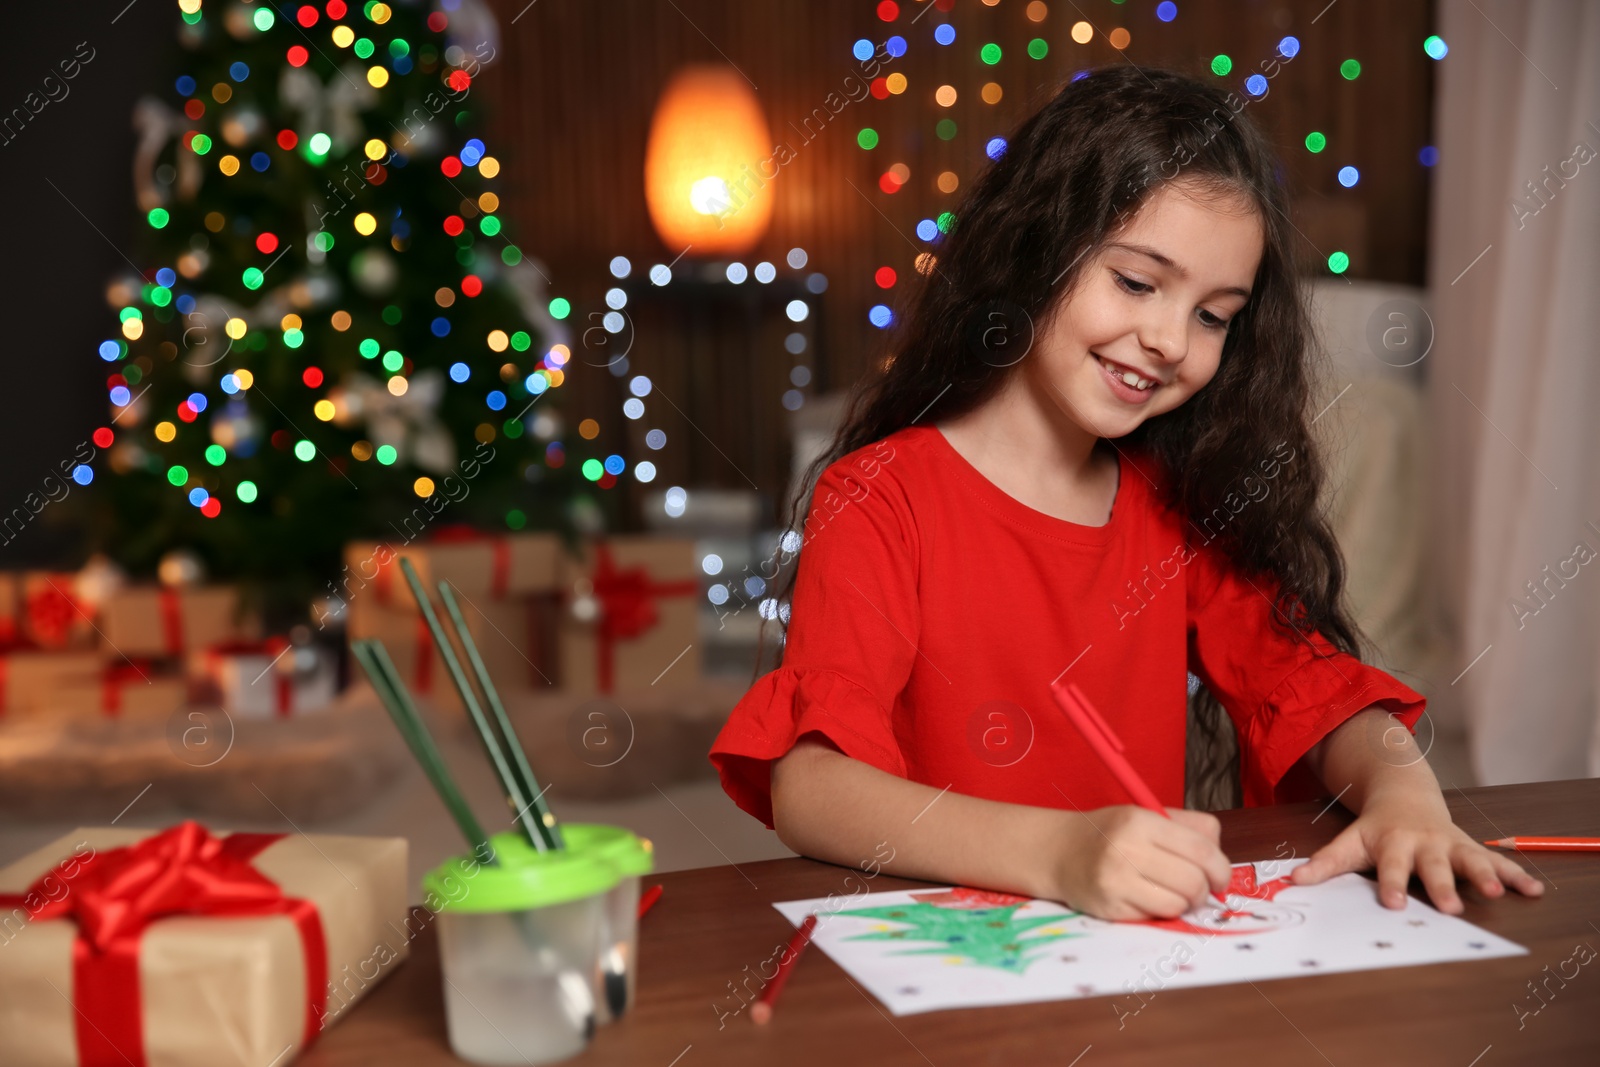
335, 338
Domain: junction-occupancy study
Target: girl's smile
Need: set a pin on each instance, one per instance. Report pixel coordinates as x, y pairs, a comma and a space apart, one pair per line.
1126, 383
1143, 330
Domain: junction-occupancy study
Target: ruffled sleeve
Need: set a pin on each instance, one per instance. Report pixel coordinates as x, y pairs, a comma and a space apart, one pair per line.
778, 710
1283, 694
851, 642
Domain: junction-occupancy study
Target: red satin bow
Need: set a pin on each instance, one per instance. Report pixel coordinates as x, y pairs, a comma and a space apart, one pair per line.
51, 612
113, 896
627, 605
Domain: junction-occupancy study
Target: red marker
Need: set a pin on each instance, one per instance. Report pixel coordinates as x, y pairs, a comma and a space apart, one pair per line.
1548, 844
761, 1010
1107, 746
649, 898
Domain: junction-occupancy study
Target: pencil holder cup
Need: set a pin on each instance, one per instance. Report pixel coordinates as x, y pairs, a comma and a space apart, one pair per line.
631, 856
519, 946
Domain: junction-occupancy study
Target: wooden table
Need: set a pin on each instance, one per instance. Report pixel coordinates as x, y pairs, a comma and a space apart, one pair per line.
713, 923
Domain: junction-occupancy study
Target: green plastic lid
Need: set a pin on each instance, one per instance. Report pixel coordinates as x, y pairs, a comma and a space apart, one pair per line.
625, 850
524, 878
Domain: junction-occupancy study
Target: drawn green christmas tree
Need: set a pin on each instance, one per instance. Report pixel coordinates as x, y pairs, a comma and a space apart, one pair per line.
984, 937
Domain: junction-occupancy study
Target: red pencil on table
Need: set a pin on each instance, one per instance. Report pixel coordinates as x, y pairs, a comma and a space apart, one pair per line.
1109, 748
761, 1010
1548, 844
647, 901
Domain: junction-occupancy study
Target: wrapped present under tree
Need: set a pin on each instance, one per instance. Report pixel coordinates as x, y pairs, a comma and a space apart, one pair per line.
265, 679
49, 612
479, 565
168, 622
509, 589
34, 680
633, 617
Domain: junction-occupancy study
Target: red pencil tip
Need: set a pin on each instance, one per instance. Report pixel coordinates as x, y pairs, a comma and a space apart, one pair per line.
648, 899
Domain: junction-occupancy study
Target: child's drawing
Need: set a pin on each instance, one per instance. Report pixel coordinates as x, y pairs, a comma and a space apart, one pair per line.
965, 926
925, 950
1254, 914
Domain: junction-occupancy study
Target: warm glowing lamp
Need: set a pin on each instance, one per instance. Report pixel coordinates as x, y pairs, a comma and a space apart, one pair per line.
703, 166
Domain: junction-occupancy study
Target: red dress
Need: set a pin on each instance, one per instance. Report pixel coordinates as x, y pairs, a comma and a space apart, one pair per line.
932, 612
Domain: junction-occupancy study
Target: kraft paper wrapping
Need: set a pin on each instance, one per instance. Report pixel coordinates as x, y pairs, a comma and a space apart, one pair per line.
215, 992
493, 566
144, 693
136, 623
10, 606
33, 681
638, 661
516, 638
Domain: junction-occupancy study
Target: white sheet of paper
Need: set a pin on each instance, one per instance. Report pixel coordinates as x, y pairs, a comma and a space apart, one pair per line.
928, 950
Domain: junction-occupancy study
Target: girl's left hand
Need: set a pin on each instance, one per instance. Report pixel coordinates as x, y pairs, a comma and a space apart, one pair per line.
1395, 839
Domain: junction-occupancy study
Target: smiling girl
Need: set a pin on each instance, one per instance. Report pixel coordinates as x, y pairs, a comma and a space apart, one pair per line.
1088, 456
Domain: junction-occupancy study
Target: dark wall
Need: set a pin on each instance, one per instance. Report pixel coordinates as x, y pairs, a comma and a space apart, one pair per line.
576, 86
66, 199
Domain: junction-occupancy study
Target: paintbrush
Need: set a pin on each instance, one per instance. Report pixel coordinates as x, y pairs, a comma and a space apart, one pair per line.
380, 670
521, 806
519, 758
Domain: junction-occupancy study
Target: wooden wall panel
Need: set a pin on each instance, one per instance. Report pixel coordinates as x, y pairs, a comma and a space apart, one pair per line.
573, 88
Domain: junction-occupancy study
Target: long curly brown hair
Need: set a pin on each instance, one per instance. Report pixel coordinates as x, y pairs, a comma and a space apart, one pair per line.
1068, 177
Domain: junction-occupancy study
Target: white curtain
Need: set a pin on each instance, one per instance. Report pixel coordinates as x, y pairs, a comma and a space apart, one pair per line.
1514, 384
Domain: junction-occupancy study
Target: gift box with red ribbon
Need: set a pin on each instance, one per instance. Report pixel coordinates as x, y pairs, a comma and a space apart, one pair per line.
71, 684
125, 688
160, 621
37, 680
49, 614
483, 566
632, 618
507, 585
187, 949
516, 638
266, 679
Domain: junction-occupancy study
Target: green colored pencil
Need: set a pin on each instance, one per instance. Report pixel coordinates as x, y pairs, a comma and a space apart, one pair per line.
519, 758
521, 806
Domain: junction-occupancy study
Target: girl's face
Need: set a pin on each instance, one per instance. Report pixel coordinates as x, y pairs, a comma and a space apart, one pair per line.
1154, 303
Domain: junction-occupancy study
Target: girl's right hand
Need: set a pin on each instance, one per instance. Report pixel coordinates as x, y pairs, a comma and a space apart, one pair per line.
1126, 862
